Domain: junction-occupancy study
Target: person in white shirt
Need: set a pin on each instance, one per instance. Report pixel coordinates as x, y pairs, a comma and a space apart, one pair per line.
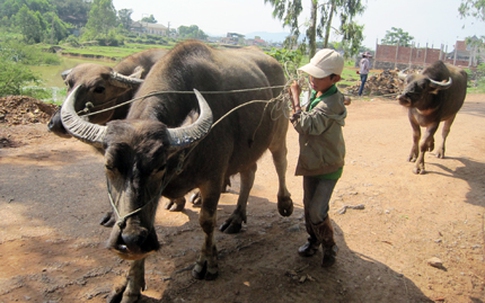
364, 70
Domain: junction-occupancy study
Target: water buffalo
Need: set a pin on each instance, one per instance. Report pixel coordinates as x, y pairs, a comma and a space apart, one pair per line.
168, 146
434, 95
106, 87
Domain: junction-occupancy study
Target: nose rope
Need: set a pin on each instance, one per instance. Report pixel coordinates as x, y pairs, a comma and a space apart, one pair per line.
121, 222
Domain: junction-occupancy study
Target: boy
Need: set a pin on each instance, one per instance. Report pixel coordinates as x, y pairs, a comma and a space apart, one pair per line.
322, 148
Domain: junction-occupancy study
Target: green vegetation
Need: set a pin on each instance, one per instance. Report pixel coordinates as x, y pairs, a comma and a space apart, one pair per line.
322, 14
16, 77
109, 52
476, 79
397, 36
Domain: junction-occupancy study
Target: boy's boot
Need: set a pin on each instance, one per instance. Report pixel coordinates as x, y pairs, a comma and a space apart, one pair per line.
311, 247
324, 234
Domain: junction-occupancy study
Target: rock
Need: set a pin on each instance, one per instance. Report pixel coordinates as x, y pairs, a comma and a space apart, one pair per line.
435, 262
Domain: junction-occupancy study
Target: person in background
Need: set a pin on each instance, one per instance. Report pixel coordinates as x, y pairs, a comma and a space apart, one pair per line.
322, 148
364, 66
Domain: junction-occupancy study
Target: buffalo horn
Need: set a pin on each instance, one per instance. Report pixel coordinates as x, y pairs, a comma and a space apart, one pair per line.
440, 84
65, 73
124, 81
77, 126
186, 135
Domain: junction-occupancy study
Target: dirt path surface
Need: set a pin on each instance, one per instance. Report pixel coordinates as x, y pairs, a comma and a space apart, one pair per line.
53, 194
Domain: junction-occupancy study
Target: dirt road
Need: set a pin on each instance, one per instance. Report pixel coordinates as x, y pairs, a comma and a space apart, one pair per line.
52, 195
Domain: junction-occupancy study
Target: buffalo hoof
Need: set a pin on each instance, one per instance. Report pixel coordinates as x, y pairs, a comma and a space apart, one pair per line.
419, 171
201, 272
195, 199
440, 154
285, 206
118, 296
175, 204
108, 220
231, 227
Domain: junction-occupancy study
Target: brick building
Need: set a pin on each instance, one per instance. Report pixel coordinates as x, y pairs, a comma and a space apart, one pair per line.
402, 57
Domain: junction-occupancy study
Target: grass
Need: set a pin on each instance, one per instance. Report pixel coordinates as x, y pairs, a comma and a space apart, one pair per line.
113, 52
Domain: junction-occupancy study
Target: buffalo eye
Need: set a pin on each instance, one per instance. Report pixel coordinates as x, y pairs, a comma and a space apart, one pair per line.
109, 164
99, 89
161, 168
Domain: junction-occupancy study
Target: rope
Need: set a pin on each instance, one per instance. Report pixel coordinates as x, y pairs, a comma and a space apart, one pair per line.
121, 222
177, 92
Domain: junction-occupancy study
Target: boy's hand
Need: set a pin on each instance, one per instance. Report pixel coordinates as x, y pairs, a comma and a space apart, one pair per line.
295, 91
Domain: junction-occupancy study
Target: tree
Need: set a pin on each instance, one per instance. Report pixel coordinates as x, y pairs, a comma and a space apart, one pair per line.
57, 30
31, 25
74, 12
319, 25
191, 32
11, 8
473, 8
124, 15
397, 36
101, 20
150, 19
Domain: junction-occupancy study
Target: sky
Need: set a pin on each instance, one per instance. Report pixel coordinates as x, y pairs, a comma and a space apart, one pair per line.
432, 22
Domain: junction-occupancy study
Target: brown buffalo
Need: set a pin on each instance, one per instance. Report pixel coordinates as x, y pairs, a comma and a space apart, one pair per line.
434, 95
168, 145
106, 87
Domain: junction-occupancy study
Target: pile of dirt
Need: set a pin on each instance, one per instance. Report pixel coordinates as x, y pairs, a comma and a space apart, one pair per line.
384, 84
23, 110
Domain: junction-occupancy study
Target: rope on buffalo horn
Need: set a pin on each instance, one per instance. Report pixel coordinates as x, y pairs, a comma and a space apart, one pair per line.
183, 93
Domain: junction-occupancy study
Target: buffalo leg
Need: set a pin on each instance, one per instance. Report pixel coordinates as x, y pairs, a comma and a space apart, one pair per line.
234, 223
279, 152
440, 152
413, 155
206, 265
426, 144
130, 290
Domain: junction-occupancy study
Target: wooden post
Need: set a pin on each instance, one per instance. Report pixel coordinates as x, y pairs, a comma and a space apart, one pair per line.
455, 54
411, 55
395, 59
425, 54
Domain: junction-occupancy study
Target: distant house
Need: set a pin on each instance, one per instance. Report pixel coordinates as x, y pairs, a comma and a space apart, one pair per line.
232, 38
149, 28
257, 41
466, 52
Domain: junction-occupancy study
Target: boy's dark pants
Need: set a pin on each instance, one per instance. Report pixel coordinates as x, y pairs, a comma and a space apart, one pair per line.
317, 193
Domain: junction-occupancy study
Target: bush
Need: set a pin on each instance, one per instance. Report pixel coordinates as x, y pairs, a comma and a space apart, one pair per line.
290, 59
15, 75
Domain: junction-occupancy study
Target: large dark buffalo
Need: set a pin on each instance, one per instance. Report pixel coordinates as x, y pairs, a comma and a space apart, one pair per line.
168, 146
434, 95
106, 87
